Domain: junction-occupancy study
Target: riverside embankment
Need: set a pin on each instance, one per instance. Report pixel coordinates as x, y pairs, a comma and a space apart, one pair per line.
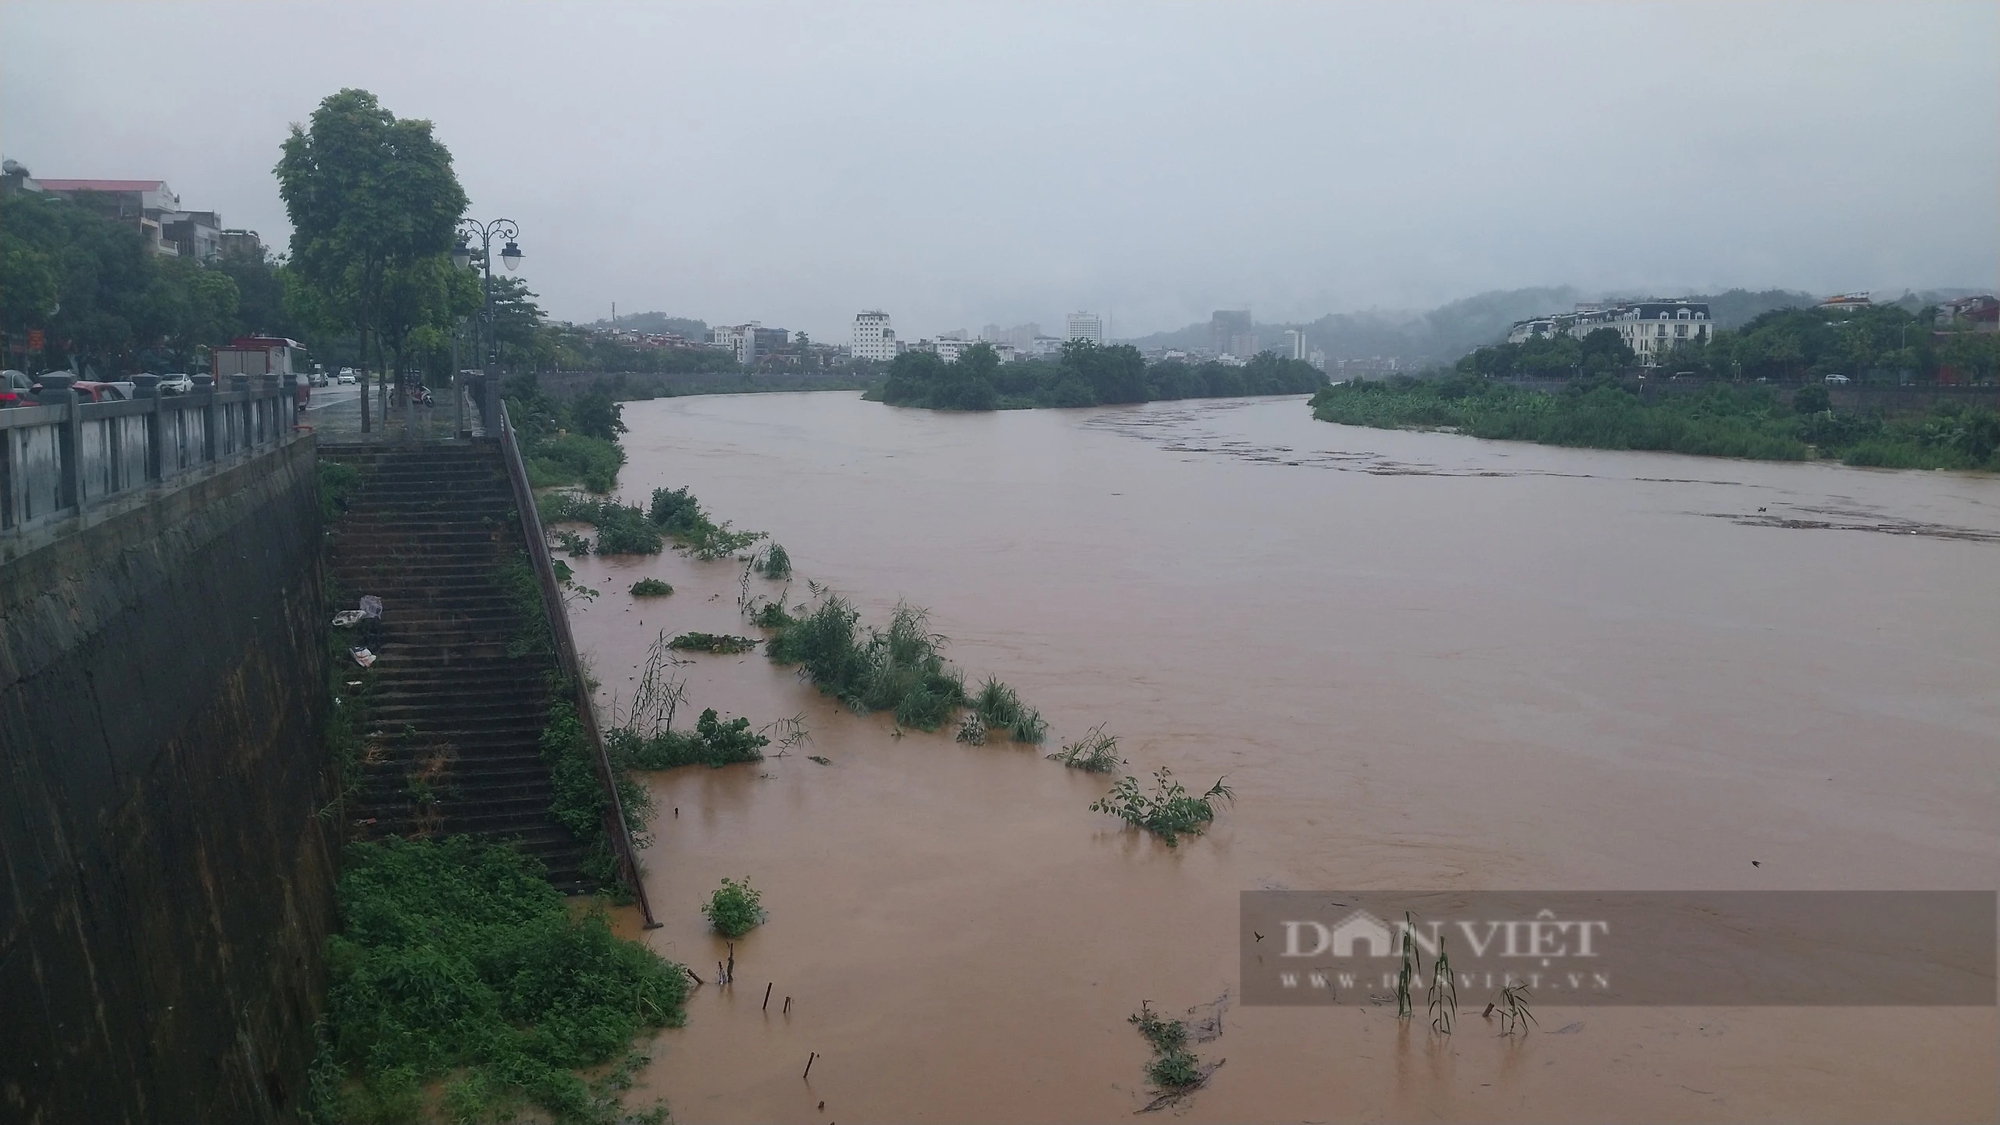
1422, 661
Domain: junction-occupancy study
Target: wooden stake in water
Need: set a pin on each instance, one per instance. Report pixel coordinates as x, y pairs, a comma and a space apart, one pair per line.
767, 997
788, 1006
809, 1065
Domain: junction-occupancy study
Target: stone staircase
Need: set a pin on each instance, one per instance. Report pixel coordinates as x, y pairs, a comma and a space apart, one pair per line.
454, 722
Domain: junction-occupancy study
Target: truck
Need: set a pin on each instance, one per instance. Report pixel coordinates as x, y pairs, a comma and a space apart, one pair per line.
257, 355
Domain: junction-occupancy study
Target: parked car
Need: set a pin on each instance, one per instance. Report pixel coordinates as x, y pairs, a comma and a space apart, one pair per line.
16, 389
316, 379
178, 383
346, 375
91, 390
1837, 379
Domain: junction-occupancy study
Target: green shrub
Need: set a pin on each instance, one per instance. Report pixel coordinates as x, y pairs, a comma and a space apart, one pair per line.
574, 459
1174, 1066
721, 643
457, 956
677, 513
712, 743
621, 528
650, 588
1168, 812
735, 908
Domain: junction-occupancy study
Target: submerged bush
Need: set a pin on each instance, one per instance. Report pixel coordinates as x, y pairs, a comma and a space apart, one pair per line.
900, 669
621, 528
712, 642
650, 588
457, 956
677, 513
1174, 1067
1168, 812
735, 908
713, 743
775, 563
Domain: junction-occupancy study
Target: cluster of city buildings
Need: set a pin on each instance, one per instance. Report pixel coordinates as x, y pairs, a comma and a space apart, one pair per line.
1233, 340
150, 207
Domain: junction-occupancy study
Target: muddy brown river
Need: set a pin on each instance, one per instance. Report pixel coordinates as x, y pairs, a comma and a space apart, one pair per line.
1422, 661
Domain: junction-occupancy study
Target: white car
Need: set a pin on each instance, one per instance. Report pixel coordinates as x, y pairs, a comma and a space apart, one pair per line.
1837, 379
346, 376
177, 383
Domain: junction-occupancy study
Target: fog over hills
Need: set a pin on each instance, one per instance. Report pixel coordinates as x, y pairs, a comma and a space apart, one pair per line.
1443, 334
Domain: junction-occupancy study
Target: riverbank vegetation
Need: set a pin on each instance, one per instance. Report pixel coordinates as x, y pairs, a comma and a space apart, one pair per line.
1084, 375
621, 528
714, 743
1168, 812
1717, 420
457, 964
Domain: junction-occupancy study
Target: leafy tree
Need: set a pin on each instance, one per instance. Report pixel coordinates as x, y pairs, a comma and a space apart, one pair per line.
370, 197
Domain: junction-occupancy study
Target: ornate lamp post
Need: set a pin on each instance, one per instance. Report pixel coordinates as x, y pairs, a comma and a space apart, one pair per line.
461, 256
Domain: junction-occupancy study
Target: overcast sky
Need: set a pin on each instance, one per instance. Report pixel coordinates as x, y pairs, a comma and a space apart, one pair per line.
962, 164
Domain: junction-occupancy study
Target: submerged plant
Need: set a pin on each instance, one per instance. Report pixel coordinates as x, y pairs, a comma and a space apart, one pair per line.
651, 588
735, 908
1443, 991
1512, 1006
775, 563
1095, 752
713, 742
1028, 727
972, 729
1168, 812
1174, 1067
712, 642
899, 669
997, 705
677, 513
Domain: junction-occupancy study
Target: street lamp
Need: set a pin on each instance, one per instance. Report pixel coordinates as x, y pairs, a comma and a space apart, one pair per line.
461, 256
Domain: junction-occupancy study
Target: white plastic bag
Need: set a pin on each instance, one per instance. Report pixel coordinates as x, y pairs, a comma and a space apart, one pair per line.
371, 606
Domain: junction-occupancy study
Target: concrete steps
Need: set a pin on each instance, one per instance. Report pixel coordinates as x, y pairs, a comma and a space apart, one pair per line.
455, 720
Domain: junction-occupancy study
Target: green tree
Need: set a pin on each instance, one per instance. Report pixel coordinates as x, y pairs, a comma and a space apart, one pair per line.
370, 197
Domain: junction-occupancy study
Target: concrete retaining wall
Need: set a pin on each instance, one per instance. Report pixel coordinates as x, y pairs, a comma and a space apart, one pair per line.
167, 887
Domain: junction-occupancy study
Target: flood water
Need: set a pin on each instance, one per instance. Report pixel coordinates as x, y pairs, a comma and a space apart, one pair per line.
1422, 661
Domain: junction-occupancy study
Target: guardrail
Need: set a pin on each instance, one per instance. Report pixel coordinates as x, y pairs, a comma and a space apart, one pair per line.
572, 668
64, 455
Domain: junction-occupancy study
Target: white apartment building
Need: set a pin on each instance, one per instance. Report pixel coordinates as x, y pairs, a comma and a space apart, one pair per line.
873, 338
1083, 326
1295, 343
1043, 347
739, 339
1649, 328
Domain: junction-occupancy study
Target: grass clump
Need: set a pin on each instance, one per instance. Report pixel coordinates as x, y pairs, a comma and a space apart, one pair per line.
735, 908
621, 528
713, 743
575, 459
651, 588
580, 802
1168, 812
1095, 752
1029, 727
677, 513
722, 643
997, 705
775, 563
772, 615
338, 482
457, 957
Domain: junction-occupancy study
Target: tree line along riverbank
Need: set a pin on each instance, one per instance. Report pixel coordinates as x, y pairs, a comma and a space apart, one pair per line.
1085, 374
1716, 421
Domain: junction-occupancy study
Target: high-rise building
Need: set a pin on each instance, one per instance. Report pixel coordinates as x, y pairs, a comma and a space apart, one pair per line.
873, 338
1083, 326
1231, 332
1295, 343
739, 339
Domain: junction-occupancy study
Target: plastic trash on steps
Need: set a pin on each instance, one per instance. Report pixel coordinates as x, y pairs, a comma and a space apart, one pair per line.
371, 606
347, 618
362, 656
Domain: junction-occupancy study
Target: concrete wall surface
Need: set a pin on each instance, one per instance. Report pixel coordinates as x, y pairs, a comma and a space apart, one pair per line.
166, 882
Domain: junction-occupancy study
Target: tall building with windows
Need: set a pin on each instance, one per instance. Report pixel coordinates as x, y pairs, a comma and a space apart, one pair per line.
1295, 343
1650, 328
873, 338
739, 339
1083, 326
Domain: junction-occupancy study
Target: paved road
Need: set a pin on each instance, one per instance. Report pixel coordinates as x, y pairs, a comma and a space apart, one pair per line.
337, 410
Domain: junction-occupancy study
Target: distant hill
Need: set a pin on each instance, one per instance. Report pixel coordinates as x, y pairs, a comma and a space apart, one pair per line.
658, 322
1449, 331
